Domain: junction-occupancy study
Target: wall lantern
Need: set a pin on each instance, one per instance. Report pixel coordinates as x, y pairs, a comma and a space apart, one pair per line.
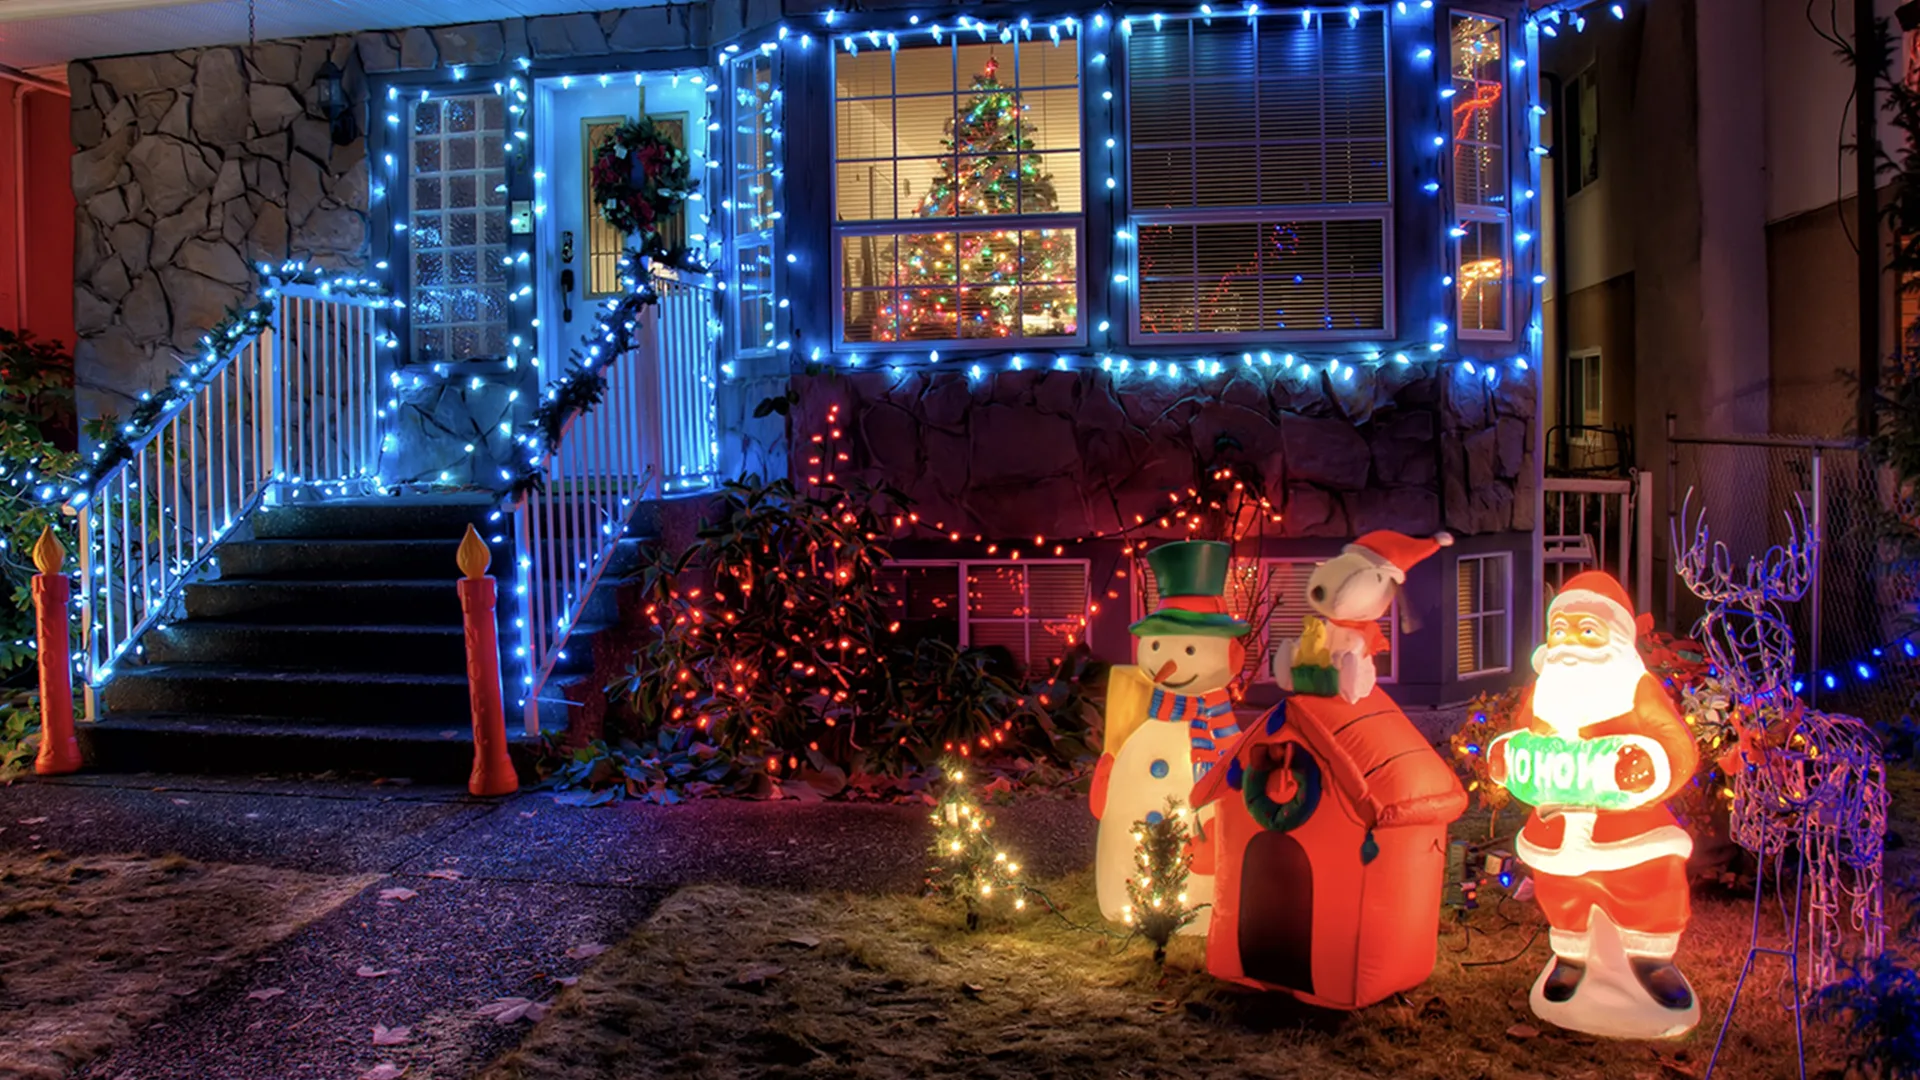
334, 103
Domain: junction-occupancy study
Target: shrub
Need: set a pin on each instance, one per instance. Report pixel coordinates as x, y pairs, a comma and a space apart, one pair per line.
37, 470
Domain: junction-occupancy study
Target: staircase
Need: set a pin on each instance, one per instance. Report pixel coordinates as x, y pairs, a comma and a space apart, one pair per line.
331, 640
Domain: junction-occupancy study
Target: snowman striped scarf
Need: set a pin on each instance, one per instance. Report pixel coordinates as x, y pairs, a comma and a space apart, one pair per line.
1209, 720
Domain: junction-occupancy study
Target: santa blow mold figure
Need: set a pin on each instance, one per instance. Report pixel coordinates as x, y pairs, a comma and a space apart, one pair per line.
1597, 749
1167, 718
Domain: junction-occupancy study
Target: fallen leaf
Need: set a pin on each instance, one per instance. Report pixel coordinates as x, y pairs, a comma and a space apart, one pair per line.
586, 952
972, 989
755, 976
805, 941
265, 995
397, 894
182, 802
386, 1070
386, 1036
368, 971
446, 875
33, 821
1162, 1005
565, 980
506, 1010
1523, 1031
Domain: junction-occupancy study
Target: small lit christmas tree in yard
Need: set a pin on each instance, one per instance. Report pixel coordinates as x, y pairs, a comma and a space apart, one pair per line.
967, 864
994, 283
1157, 895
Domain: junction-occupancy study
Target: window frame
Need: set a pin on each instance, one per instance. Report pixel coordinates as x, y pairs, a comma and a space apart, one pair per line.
1469, 214
1478, 616
740, 242
963, 569
837, 230
1580, 89
1263, 671
1582, 359
1132, 219
403, 210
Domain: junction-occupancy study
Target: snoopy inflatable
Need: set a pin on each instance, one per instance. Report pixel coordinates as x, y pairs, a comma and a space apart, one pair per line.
1351, 592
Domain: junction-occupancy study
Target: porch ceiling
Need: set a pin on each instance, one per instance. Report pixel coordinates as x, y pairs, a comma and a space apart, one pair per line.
42, 33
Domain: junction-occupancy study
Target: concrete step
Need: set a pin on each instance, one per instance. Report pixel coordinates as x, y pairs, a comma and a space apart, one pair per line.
173, 743
438, 650
356, 698
333, 559
415, 517
409, 602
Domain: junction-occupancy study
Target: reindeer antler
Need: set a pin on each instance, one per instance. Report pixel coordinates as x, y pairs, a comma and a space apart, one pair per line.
1744, 631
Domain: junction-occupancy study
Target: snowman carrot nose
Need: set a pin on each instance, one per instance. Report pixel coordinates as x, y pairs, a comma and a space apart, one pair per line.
1166, 669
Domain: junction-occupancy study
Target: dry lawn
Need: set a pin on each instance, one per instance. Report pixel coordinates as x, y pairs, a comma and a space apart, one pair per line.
94, 949
727, 983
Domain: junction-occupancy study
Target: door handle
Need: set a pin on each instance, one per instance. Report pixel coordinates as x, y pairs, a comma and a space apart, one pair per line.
566, 295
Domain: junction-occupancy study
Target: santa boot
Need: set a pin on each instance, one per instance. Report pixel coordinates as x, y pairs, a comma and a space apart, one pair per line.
1651, 958
1570, 948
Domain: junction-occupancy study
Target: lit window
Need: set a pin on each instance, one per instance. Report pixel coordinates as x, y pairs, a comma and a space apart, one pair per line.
1271, 595
1483, 587
457, 227
754, 159
1480, 187
1035, 610
1260, 176
957, 207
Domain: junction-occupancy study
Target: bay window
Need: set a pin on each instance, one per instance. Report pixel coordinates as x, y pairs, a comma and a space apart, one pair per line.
957, 192
1260, 179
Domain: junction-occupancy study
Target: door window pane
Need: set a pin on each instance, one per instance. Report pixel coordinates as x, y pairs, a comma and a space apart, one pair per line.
458, 228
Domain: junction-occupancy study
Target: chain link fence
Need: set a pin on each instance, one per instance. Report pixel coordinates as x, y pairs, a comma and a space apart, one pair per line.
1853, 630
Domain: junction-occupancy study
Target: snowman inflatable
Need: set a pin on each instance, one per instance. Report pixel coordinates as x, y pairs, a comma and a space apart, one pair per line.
1167, 717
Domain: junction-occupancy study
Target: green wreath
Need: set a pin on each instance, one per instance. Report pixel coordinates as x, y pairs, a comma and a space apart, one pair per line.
640, 179
1290, 815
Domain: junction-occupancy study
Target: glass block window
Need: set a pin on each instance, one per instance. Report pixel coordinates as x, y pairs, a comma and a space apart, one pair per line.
1259, 181
1035, 610
1483, 590
753, 161
457, 227
1272, 591
1481, 198
957, 192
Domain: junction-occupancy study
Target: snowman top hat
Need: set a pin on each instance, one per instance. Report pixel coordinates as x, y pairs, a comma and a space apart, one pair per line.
1191, 576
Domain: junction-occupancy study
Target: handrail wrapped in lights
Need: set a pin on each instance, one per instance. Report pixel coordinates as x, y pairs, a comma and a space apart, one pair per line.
651, 432
284, 397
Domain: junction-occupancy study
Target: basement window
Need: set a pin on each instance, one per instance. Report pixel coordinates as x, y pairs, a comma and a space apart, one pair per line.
1033, 609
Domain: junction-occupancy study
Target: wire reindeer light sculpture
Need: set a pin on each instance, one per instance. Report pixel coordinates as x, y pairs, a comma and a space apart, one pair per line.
1807, 784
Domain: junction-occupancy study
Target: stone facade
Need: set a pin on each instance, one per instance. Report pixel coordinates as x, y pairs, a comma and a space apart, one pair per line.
1066, 454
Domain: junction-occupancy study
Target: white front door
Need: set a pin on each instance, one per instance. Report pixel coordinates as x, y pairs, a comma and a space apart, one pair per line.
579, 252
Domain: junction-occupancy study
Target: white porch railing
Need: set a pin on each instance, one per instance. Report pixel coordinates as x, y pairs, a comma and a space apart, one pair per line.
653, 431
1599, 525
293, 404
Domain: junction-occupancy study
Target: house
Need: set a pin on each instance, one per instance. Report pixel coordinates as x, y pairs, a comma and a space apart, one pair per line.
1047, 271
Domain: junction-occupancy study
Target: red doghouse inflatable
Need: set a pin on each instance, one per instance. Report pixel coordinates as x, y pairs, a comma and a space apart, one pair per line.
1333, 837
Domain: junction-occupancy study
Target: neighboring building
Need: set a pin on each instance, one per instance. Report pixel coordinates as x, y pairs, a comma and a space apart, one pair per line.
1049, 268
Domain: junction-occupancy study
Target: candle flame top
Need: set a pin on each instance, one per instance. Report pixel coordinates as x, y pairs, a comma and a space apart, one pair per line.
48, 552
474, 556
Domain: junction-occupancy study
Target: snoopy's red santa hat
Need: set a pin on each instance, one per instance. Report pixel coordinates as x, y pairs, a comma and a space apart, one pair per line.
1396, 553
1597, 592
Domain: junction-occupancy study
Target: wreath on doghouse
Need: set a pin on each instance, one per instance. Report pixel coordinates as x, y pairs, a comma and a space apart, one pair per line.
640, 180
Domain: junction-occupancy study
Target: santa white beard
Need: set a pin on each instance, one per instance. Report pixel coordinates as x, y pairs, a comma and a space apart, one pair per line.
1579, 686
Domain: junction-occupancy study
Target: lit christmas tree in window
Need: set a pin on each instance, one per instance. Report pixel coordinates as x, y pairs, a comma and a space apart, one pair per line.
987, 283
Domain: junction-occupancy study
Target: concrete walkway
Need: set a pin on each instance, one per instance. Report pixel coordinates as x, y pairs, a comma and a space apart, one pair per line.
503, 889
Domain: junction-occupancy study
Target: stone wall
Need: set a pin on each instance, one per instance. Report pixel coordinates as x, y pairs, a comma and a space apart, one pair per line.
1066, 454
192, 167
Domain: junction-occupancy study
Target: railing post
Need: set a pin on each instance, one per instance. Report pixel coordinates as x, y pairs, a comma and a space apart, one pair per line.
1643, 542
84, 528
59, 749
270, 391
525, 608
1819, 572
492, 769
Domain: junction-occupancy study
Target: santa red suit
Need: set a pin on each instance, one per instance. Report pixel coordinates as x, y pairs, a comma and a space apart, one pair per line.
1628, 860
